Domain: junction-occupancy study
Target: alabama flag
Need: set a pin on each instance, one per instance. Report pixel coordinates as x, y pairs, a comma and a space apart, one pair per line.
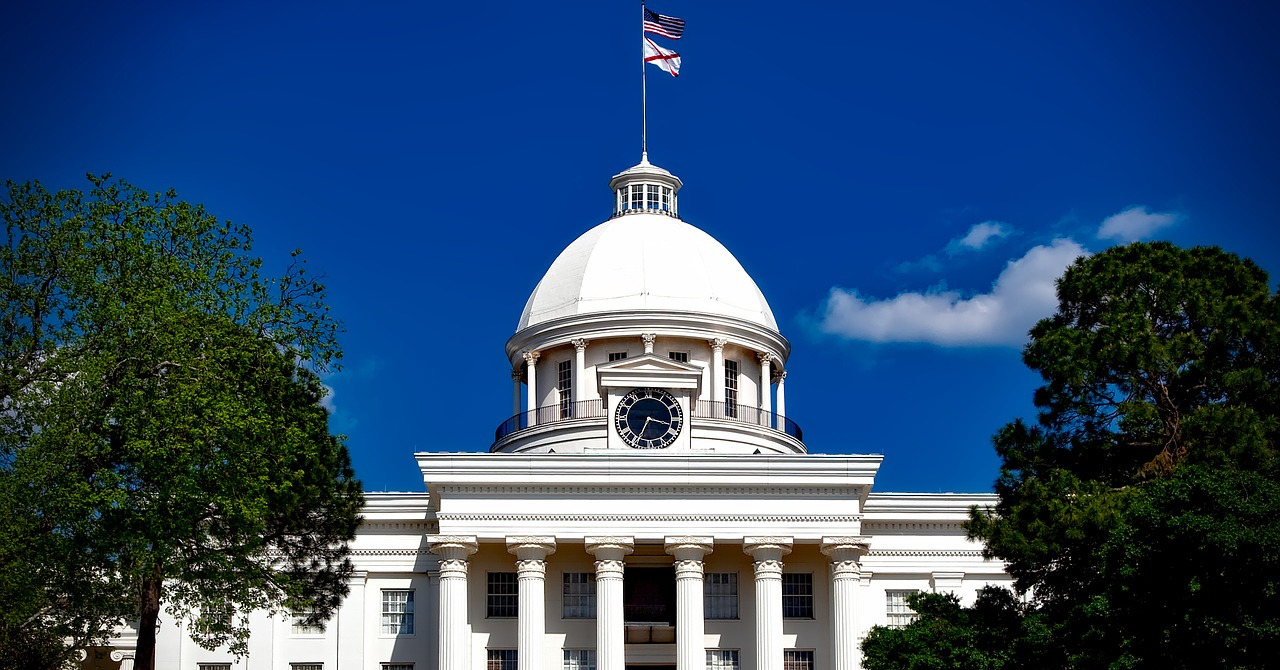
666, 59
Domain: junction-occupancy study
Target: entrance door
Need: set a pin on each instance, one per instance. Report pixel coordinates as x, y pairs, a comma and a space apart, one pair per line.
649, 598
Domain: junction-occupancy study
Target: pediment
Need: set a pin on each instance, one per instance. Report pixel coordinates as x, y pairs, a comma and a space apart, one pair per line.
649, 370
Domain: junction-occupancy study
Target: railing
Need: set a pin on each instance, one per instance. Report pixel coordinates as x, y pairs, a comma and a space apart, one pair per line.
594, 409
583, 409
714, 409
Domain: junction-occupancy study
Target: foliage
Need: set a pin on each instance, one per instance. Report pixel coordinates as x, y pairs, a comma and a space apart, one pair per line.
162, 436
1140, 515
995, 633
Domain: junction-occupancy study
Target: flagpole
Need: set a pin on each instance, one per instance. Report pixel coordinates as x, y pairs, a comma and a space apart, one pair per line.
644, 94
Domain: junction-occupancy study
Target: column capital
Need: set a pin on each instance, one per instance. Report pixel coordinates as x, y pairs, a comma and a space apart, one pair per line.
531, 547
845, 548
609, 547
579, 344
779, 376
453, 546
531, 357
688, 547
762, 545
765, 358
717, 344
517, 374
648, 339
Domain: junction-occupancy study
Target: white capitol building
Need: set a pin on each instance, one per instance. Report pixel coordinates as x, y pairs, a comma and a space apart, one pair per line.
650, 505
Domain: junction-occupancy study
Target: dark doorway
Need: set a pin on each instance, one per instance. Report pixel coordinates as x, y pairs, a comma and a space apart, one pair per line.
649, 597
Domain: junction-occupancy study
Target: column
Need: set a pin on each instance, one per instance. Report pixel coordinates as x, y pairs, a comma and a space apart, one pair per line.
124, 657
717, 373
767, 552
579, 370
516, 375
691, 650
648, 339
531, 572
453, 551
351, 621
845, 574
531, 365
766, 380
782, 401
610, 626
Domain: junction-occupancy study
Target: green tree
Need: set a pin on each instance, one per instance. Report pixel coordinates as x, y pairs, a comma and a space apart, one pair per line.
1142, 513
162, 439
995, 633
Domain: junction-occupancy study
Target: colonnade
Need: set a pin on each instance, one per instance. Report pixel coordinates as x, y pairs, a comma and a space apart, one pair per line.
688, 553
769, 377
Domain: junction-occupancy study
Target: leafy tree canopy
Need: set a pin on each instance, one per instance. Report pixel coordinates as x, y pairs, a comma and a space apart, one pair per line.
1140, 514
162, 435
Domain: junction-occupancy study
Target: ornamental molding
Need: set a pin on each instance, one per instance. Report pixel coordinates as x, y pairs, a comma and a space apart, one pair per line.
872, 526
688, 569
119, 655
845, 570
531, 357
629, 518
390, 552
926, 552
531, 568
771, 569
717, 344
416, 524
453, 568
755, 492
610, 569
579, 344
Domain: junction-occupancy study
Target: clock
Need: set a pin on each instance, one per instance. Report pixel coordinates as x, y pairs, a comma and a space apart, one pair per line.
649, 418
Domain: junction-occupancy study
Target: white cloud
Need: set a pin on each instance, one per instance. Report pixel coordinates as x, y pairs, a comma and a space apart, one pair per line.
1134, 224
978, 237
1022, 294
327, 401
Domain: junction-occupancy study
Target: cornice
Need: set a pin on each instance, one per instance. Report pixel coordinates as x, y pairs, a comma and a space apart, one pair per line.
781, 492
634, 323
710, 518
872, 526
884, 553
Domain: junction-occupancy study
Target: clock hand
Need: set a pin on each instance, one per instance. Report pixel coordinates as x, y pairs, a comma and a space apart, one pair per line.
661, 422
645, 427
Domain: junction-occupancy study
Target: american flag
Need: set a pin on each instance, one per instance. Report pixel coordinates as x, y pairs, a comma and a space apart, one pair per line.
667, 26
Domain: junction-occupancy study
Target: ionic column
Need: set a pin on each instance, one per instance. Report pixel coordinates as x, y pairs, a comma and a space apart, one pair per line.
531, 365
845, 574
531, 573
579, 370
767, 552
610, 622
453, 551
124, 658
717, 371
691, 650
516, 376
648, 339
782, 401
766, 379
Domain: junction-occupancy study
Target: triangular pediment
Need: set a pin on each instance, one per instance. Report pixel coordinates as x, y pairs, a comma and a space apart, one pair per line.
649, 370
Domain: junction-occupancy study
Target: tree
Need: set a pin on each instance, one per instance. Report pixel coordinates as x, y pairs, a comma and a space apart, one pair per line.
162, 439
1142, 513
995, 633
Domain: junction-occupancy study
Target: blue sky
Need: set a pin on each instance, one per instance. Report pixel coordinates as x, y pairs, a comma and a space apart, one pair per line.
903, 180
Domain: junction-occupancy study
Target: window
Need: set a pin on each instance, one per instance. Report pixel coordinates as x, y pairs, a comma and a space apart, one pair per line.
652, 191
300, 626
579, 595
679, 356
731, 388
397, 612
617, 355
796, 659
666, 198
637, 197
797, 595
306, 666
564, 385
720, 595
722, 659
504, 595
502, 659
579, 659
898, 612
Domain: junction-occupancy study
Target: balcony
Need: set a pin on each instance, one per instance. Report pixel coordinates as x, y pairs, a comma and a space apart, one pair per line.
594, 410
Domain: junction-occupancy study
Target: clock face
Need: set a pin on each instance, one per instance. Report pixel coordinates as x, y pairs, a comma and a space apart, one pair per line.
649, 418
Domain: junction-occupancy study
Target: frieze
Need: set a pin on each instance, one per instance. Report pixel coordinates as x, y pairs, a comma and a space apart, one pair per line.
925, 552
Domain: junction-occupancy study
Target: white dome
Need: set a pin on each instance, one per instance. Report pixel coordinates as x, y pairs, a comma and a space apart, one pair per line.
646, 262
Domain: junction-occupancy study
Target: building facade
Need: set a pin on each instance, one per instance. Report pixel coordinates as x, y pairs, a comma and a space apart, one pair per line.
649, 505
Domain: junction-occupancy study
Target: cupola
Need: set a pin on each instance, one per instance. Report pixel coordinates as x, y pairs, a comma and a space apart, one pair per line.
645, 188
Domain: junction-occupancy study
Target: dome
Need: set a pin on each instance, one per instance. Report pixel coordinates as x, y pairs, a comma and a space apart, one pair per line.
646, 261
